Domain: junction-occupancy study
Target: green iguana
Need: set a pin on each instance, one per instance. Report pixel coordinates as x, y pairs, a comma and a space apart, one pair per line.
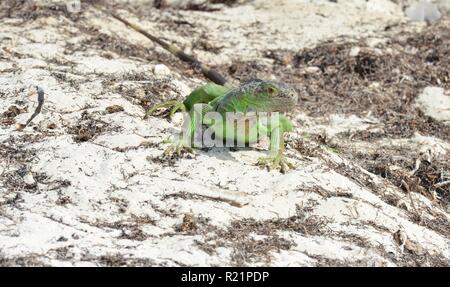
261, 105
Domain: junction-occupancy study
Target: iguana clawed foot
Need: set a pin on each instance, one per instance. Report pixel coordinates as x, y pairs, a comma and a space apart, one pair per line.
178, 149
171, 106
276, 162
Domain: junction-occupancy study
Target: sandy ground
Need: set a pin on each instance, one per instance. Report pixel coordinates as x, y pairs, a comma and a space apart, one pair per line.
85, 183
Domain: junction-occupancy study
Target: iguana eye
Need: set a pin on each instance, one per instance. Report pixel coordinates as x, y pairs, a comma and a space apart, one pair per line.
272, 91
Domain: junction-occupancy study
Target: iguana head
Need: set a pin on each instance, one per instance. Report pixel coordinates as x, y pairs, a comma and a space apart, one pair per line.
273, 96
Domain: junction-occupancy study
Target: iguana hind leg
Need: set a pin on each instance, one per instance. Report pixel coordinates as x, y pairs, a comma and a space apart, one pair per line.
174, 107
201, 95
192, 123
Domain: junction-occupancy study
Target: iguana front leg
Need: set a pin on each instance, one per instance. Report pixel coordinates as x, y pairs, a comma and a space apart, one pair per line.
277, 159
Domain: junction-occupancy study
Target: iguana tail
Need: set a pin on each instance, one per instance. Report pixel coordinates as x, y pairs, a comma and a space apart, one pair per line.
207, 72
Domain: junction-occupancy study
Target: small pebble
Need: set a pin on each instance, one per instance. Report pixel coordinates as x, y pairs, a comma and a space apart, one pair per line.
312, 70
29, 179
354, 51
161, 70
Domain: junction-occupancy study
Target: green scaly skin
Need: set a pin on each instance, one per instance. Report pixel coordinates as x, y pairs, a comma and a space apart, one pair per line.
252, 97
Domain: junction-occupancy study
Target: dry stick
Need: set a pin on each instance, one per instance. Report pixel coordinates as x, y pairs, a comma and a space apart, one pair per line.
442, 184
408, 191
37, 111
207, 72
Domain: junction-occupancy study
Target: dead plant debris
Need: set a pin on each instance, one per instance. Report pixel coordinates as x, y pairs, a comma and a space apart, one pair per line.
354, 78
88, 128
253, 240
114, 109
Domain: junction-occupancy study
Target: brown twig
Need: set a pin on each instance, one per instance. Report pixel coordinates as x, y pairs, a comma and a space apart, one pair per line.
195, 63
37, 111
